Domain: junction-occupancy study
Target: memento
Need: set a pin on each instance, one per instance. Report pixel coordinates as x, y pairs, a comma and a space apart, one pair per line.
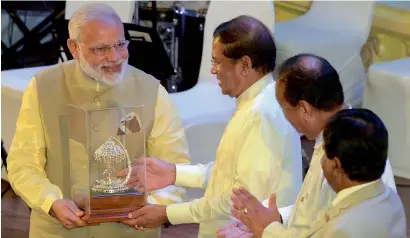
106, 151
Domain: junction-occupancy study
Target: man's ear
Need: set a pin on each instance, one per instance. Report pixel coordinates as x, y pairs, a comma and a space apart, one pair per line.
306, 108
74, 48
337, 168
246, 64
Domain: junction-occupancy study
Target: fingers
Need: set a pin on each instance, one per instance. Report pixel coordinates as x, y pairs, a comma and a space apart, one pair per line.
272, 201
141, 222
248, 200
247, 235
70, 220
122, 173
137, 213
74, 209
237, 203
227, 232
74, 215
79, 222
238, 215
226, 228
133, 180
243, 227
135, 171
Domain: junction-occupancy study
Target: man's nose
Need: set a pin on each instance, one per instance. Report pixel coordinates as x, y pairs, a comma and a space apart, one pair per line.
114, 55
213, 70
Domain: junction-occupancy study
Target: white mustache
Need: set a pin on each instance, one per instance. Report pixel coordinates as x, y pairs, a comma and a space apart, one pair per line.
111, 64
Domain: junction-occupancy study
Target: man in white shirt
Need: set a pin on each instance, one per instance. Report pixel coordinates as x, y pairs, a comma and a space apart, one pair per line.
356, 145
309, 91
259, 149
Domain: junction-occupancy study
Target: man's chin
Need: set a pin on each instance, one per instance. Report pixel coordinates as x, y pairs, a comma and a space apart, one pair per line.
111, 80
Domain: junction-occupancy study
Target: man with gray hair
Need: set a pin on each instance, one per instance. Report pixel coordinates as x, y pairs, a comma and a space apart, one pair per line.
98, 76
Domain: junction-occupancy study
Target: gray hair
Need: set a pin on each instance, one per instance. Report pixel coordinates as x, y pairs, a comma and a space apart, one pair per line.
87, 13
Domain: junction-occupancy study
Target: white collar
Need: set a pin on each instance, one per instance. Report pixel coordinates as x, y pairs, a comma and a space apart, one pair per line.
347, 191
319, 140
250, 93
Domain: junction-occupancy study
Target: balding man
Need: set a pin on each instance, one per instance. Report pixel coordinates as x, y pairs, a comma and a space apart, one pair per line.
98, 77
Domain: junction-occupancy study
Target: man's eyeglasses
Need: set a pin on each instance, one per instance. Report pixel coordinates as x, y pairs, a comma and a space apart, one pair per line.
214, 63
101, 51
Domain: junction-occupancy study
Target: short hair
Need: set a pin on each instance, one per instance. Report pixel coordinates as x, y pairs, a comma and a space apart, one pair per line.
247, 36
359, 139
86, 13
313, 79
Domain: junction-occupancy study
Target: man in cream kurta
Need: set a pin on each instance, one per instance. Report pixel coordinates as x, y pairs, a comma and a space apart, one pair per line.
369, 210
364, 206
259, 149
309, 91
314, 195
38, 170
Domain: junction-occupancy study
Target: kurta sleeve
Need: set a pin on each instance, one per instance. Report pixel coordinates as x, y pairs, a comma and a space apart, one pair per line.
259, 167
26, 159
193, 176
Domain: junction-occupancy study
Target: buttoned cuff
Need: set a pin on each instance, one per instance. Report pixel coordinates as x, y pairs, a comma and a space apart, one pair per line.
273, 228
285, 213
48, 202
188, 176
179, 213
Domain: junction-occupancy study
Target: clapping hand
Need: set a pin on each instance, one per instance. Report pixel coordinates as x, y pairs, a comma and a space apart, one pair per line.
235, 230
252, 213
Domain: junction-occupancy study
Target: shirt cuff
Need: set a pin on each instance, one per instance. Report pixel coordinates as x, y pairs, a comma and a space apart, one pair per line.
286, 212
48, 202
179, 213
188, 175
274, 226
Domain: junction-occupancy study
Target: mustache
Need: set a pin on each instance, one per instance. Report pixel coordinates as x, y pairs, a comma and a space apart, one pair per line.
107, 64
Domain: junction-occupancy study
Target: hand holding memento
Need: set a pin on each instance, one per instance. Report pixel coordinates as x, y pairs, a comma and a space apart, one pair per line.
160, 174
150, 216
67, 213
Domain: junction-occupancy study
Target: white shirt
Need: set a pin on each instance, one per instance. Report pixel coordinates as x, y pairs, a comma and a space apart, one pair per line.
259, 150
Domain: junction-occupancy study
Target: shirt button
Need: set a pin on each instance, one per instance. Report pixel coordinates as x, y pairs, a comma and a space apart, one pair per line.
96, 99
96, 128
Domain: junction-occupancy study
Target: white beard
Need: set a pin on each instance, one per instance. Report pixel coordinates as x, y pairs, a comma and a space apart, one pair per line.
110, 79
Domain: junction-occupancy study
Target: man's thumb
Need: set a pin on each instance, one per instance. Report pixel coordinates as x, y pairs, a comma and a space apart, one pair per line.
272, 200
75, 209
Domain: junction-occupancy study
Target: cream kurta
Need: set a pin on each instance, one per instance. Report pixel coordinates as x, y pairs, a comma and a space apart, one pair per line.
27, 156
259, 150
315, 195
369, 210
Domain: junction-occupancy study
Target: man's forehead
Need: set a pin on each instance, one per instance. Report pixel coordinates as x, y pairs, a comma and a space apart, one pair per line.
102, 30
217, 50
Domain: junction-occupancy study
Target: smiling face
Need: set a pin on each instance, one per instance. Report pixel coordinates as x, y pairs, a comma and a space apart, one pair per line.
96, 53
227, 71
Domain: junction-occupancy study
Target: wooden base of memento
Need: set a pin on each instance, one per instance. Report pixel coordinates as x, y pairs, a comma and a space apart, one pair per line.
113, 208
